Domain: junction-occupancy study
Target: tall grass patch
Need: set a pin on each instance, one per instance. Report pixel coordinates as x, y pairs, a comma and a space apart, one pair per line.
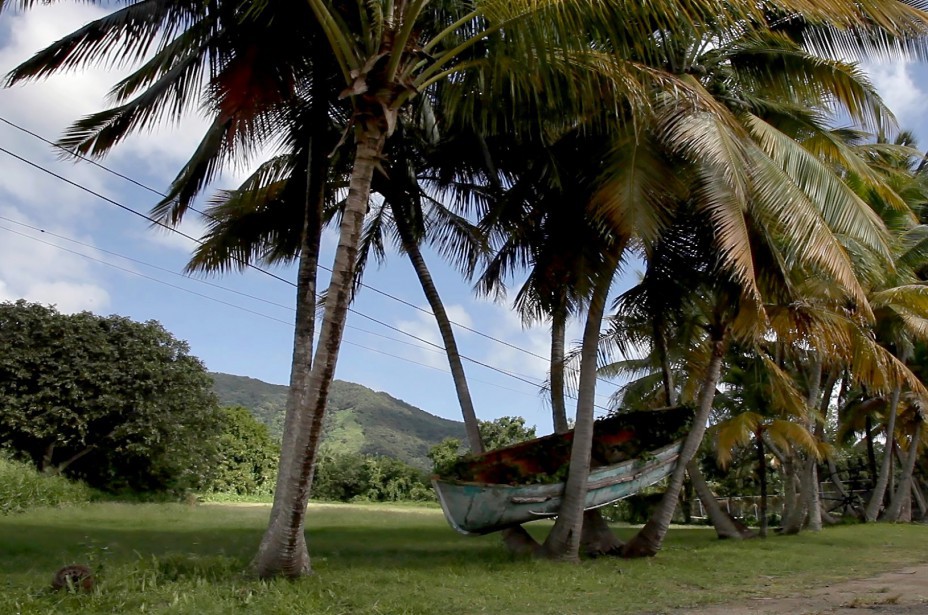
23, 487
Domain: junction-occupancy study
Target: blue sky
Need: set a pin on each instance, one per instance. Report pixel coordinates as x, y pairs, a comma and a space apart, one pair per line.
228, 331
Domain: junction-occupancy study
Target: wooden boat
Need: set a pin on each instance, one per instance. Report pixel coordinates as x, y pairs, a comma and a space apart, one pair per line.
521, 483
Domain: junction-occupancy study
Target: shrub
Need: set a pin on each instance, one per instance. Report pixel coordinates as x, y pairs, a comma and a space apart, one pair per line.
23, 487
353, 477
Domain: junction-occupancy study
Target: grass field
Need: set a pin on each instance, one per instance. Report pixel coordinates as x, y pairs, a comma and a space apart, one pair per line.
171, 558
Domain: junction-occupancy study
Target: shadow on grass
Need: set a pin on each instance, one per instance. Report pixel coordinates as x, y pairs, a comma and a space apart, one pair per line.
51, 546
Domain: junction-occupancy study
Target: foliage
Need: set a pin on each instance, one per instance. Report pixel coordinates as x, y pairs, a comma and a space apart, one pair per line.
119, 404
358, 419
351, 477
246, 460
505, 431
445, 454
23, 487
498, 433
376, 558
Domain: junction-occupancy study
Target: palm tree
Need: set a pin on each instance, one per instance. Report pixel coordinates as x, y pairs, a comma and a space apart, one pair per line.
414, 185
762, 401
387, 53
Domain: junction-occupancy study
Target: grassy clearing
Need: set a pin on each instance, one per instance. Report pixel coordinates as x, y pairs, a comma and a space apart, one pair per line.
164, 558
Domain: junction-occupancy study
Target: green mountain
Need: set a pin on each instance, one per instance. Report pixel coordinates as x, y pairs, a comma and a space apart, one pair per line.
358, 419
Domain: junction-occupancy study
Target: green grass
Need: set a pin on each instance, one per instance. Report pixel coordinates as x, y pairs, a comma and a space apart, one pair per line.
172, 558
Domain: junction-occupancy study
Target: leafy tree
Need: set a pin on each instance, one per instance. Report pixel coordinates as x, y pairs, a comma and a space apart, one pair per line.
247, 456
119, 404
445, 454
504, 431
347, 477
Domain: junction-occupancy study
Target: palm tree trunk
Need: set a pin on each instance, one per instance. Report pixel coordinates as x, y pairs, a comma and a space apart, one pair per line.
596, 538
876, 498
723, 524
558, 335
762, 479
282, 550
648, 541
871, 452
660, 339
305, 318
920, 500
818, 398
516, 539
811, 494
794, 504
564, 540
45, 465
904, 487
411, 247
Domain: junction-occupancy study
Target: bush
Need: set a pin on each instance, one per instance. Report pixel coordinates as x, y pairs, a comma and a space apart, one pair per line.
247, 456
22, 487
352, 477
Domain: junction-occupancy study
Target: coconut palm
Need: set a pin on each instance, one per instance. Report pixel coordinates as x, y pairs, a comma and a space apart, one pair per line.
387, 53
762, 401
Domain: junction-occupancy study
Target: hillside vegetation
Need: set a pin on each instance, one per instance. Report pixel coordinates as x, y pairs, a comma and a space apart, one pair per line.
358, 419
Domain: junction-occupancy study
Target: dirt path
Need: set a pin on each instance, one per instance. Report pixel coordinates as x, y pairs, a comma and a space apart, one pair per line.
902, 592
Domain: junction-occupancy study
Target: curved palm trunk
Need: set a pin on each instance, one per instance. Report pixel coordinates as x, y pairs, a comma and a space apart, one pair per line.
904, 488
558, 335
564, 540
879, 490
723, 524
596, 537
648, 541
305, 318
516, 539
282, 550
411, 247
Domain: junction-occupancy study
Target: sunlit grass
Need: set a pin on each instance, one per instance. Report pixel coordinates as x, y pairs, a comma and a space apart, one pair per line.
164, 558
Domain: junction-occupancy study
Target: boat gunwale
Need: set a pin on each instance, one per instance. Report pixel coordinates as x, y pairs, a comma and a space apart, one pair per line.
435, 478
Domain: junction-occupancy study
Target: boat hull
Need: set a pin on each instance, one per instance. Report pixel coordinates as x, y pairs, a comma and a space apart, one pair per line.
481, 508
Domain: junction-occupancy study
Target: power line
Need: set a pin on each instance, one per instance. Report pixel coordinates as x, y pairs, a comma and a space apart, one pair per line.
189, 277
200, 242
78, 155
238, 307
268, 273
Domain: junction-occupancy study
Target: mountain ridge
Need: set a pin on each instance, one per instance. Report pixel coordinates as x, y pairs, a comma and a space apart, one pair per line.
358, 419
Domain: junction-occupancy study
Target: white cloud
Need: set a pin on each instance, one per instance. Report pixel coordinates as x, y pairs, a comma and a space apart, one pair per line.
423, 326
505, 324
897, 87
48, 106
192, 225
69, 297
33, 269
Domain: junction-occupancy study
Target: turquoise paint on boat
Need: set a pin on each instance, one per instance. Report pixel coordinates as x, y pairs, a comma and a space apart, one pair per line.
481, 508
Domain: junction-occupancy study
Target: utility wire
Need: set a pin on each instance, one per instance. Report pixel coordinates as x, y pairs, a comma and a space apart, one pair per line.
274, 275
188, 277
76, 154
268, 273
238, 307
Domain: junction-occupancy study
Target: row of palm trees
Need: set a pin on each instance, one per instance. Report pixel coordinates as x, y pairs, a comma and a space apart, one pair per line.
693, 134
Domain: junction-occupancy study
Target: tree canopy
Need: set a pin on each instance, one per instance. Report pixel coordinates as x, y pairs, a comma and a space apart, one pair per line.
117, 403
